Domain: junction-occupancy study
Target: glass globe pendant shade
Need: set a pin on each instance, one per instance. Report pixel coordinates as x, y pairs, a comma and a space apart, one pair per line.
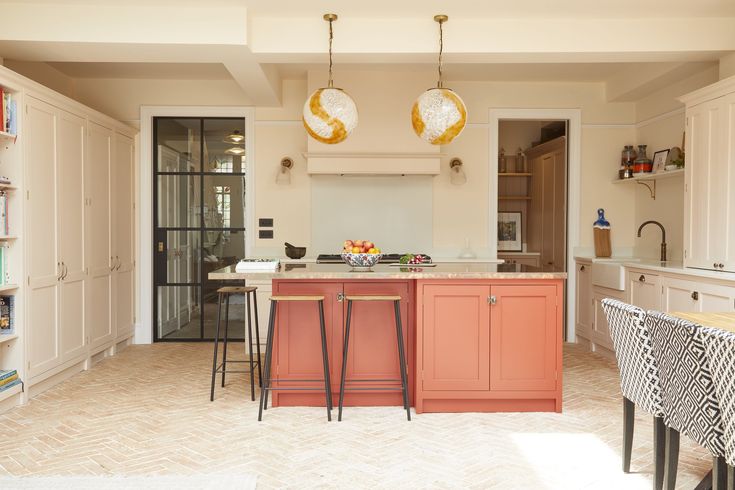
330, 115
438, 116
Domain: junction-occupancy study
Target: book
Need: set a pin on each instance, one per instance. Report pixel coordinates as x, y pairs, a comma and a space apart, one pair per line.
7, 374
10, 385
13, 116
7, 314
2, 109
6, 111
257, 265
9, 380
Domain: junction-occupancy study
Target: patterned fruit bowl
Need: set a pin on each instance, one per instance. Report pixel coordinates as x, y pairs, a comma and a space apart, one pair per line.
361, 261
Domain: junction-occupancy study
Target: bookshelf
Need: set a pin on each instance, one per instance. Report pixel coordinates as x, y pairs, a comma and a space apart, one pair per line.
12, 264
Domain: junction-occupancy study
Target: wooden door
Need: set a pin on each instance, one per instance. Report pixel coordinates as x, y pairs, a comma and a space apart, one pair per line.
70, 133
297, 336
456, 337
99, 244
124, 236
524, 336
373, 352
645, 290
706, 192
41, 237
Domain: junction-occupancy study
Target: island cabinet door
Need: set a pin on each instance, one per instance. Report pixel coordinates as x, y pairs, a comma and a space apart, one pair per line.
297, 353
373, 353
523, 337
456, 337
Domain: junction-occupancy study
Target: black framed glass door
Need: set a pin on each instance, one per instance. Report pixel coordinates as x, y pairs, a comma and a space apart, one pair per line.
199, 182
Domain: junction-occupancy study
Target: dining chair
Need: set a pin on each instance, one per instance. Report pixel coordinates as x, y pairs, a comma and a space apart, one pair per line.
689, 399
719, 349
639, 378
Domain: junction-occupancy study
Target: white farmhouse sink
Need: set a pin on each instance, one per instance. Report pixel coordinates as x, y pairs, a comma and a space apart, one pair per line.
609, 272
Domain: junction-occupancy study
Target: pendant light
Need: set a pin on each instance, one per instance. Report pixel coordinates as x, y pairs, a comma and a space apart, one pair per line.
235, 137
439, 114
235, 150
330, 115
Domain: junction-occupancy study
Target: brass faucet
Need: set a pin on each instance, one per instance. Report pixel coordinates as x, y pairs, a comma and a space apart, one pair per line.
663, 236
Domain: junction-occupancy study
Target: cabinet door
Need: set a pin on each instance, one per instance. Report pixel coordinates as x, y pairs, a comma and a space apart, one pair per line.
123, 236
373, 352
645, 290
728, 162
456, 337
680, 295
584, 300
99, 229
70, 133
297, 334
600, 328
44, 270
524, 319
706, 190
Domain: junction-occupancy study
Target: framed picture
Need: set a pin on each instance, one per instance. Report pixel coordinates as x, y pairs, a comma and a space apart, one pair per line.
509, 232
659, 161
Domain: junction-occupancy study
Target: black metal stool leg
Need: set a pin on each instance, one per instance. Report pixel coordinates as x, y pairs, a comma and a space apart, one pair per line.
216, 346
257, 339
345, 346
267, 368
227, 330
250, 348
325, 361
402, 359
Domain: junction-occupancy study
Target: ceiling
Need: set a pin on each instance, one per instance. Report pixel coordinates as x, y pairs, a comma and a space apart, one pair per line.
160, 71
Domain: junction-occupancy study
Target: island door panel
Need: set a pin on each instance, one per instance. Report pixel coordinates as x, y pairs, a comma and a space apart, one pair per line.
373, 351
456, 337
523, 337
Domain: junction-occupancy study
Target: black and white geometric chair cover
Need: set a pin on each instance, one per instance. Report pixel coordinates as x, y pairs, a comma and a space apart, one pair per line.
639, 378
689, 400
639, 375
719, 347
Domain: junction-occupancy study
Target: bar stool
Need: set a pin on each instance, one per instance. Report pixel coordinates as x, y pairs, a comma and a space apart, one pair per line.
267, 380
225, 293
401, 354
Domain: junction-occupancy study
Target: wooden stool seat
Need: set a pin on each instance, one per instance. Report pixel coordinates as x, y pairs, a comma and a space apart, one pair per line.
372, 298
236, 289
297, 298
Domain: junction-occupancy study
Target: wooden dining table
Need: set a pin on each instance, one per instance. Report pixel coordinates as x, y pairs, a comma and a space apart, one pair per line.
724, 321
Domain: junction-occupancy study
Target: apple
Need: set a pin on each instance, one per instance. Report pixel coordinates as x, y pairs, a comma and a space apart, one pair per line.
358, 243
356, 250
368, 245
347, 244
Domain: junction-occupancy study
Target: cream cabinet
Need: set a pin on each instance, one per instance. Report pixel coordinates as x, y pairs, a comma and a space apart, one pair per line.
123, 236
644, 289
680, 294
584, 303
709, 218
55, 236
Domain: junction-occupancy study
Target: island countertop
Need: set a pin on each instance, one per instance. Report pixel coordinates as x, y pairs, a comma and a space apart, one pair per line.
456, 270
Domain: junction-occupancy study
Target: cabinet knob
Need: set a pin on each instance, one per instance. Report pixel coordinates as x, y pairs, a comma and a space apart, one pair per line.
695, 296
642, 278
714, 265
721, 265
492, 300
582, 268
340, 297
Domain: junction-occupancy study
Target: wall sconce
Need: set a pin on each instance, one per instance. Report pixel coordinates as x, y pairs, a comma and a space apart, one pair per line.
284, 172
456, 172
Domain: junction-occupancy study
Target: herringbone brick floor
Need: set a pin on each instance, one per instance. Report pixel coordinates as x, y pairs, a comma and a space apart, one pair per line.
147, 411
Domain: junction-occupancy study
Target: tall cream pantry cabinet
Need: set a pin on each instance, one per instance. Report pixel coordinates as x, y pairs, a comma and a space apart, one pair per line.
71, 211
709, 213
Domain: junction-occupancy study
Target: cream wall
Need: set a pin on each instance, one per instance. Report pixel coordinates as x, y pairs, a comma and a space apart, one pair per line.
660, 122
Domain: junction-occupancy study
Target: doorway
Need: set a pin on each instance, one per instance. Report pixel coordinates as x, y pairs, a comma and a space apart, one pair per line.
199, 225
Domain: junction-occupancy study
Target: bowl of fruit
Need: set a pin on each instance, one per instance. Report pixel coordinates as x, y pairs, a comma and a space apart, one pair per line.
360, 254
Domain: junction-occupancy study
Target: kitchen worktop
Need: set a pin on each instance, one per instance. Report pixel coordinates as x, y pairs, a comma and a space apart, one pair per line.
670, 267
457, 270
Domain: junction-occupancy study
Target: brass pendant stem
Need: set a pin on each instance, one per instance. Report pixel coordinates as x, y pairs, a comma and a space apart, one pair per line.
441, 19
330, 18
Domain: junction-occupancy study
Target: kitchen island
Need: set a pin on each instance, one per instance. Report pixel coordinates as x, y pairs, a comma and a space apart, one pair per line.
479, 336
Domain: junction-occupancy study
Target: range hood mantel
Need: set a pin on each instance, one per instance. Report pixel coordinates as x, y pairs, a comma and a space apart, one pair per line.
373, 163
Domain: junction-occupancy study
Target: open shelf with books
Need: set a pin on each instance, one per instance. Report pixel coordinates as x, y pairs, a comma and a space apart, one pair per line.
12, 334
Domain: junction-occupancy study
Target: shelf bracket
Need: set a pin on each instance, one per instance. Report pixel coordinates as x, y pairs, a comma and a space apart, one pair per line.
652, 190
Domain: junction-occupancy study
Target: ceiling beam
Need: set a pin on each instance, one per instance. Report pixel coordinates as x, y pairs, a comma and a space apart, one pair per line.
648, 78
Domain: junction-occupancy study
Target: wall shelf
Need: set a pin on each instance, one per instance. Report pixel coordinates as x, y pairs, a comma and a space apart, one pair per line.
514, 198
649, 180
8, 287
7, 337
7, 238
514, 174
7, 136
7, 187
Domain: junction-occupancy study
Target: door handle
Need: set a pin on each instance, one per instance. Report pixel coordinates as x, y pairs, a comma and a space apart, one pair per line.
160, 246
119, 263
112, 261
340, 297
492, 300
64, 271
59, 271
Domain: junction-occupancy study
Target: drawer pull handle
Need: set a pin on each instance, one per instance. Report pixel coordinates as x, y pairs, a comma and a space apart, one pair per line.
582, 268
695, 296
642, 278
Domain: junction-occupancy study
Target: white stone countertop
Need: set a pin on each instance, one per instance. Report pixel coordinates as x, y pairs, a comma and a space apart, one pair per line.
670, 267
457, 270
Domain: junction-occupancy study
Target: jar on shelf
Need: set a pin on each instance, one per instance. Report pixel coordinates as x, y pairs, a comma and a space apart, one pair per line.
642, 162
627, 161
502, 162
